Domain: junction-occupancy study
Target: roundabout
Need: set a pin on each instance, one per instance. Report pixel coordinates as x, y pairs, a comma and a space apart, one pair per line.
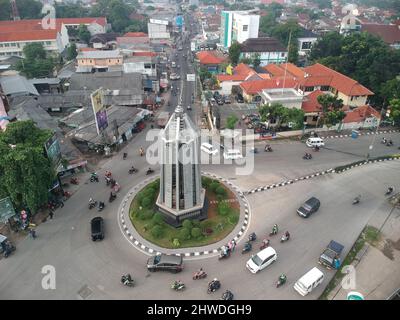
149, 248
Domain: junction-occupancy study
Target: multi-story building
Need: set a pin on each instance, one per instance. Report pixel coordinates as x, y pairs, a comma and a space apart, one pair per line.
141, 62
269, 50
238, 26
159, 29
100, 60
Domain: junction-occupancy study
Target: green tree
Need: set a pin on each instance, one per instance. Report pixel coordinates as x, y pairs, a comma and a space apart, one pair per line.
231, 122
246, 60
158, 219
184, 234
234, 52
196, 232
214, 185
187, 224
70, 10
391, 89
83, 33
72, 52
26, 174
256, 60
223, 209
395, 111
293, 54
34, 51
329, 45
157, 231
35, 64
331, 109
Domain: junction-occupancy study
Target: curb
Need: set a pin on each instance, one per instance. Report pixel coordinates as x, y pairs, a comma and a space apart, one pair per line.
158, 250
360, 134
367, 162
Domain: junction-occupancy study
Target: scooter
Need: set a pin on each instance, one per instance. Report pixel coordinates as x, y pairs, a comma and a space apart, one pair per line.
252, 236
247, 247
274, 231
213, 286
101, 206
356, 200
285, 238
178, 286
74, 181
227, 295
265, 244
224, 254
127, 280
92, 205
307, 156
124, 156
112, 198
94, 178
389, 191
133, 170
268, 149
149, 171
281, 280
199, 275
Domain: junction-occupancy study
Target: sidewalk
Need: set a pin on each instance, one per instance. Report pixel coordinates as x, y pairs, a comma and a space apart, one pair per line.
378, 272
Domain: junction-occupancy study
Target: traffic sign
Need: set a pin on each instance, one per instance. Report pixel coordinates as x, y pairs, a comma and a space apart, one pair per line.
191, 77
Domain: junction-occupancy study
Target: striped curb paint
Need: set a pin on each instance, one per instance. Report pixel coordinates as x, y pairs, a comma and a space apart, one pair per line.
360, 134
148, 250
367, 162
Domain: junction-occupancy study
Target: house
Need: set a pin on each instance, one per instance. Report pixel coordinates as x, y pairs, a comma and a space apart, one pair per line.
361, 117
288, 97
211, 60
98, 60
94, 25
251, 90
135, 40
239, 74
389, 33
141, 62
311, 107
305, 41
106, 41
159, 29
270, 50
319, 77
17, 85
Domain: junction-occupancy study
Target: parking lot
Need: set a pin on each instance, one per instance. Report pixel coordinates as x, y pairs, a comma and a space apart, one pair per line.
237, 109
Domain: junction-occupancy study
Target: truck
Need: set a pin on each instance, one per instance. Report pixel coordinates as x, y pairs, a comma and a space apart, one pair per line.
162, 119
330, 258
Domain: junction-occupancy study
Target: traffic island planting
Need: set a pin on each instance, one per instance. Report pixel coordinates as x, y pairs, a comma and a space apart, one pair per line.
223, 216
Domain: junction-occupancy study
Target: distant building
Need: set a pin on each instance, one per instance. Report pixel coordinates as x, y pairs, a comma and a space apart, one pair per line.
270, 50
105, 41
305, 41
159, 29
141, 62
238, 26
389, 33
98, 60
210, 60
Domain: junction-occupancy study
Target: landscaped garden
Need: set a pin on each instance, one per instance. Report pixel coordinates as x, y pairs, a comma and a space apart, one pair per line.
223, 215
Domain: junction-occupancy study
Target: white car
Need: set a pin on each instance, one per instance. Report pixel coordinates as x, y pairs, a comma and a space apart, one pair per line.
232, 154
189, 108
261, 260
208, 148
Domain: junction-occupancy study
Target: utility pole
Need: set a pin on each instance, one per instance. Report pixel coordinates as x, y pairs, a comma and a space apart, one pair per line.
14, 10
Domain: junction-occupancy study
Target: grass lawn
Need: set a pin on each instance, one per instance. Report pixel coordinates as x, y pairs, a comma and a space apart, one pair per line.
220, 225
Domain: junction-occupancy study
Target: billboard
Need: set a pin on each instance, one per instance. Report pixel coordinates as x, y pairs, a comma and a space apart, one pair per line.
52, 147
99, 110
179, 21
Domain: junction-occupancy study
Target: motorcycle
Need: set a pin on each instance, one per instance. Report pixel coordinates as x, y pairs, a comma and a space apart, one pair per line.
199, 275
285, 238
247, 247
213, 286
307, 156
141, 152
268, 149
178, 286
389, 191
252, 236
127, 280
227, 295
224, 253
389, 143
124, 156
74, 181
356, 200
281, 280
101, 206
149, 171
108, 181
274, 230
265, 244
133, 170
112, 197
316, 149
94, 178
92, 204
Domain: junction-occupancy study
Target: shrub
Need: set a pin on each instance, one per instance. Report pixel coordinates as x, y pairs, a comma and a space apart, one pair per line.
206, 224
184, 234
158, 218
146, 202
196, 223
223, 209
187, 224
221, 191
157, 231
205, 182
196, 232
214, 185
233, 218
176, 243
220, 198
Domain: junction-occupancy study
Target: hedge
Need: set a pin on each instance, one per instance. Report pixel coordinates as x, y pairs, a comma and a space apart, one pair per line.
157, 231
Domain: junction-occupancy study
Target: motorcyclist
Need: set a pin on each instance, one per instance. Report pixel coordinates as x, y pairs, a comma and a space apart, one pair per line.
141, 151
150, 170
91, 202
108, 174
214, 284
282, 278
390, 142
252, 236
287, 235
357, 199
266, 242
112, 195
384, 140
390, 189
101, 205
275, 229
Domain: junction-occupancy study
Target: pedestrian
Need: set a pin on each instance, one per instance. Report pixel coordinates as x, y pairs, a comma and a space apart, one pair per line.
233, 244
32, 233
51, 214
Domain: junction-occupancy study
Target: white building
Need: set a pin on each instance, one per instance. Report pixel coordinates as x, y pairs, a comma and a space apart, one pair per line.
141, 64
288, 97
269, 50
238, 26
158, 29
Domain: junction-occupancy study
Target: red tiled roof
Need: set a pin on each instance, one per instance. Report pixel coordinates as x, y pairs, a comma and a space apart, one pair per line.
243, 68
144, 54
310, 102
319, 75
209, 57
274, 69
88, 49
389, 33
254, 87
293, 69
360, 114
135, 34
233, 77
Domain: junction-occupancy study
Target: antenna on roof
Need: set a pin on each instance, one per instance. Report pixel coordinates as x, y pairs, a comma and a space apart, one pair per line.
14, 10
284, 75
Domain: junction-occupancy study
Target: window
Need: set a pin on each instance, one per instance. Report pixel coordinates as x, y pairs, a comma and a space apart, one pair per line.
282, 54
1, 45
245, 27
48, 43
309, 89
306, 45
325, 88
6, 44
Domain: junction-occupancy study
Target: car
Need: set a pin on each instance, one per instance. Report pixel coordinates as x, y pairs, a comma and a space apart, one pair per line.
309, 207
239, 98
208, 148
216, 94
261, 260
97, 228
220, 101
189, 107
174, 76
227, 100
232, 154
165, 262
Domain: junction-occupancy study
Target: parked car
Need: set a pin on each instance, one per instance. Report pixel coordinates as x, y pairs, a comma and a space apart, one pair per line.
216, 94
309, 207
309, 281
208, 148
97, 228
261, 260
239, 98
164, 262
189, 107
220, 101
174, 76
227, 100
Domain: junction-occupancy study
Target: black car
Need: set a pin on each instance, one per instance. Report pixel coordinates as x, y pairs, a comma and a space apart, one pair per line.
97, 228
220, 101
164, 262
239, 98
309, 207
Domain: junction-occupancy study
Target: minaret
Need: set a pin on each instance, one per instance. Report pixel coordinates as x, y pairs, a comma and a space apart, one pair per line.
181, 194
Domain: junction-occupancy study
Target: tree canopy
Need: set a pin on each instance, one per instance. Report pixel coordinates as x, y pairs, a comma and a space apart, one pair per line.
277, 113
84, 33
234, 52
35, 64
28, 9
26, 174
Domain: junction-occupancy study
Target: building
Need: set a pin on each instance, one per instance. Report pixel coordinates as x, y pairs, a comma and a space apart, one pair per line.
135, 40
98, 60
17, 85
319, 77
238, 26
14, 35
288, 97
143, 63
270, 50
106, 41
389, 33
305, 41
227, 82
210, 60
159, 29
181, 193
